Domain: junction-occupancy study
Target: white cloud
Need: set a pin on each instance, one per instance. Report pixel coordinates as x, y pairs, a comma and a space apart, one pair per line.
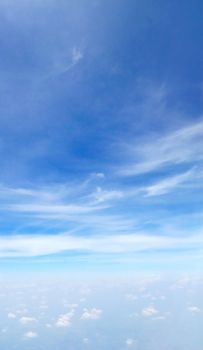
100, 175
131, 297
72, 306
53, 209
181, 146
91, 314
130, 342
65, 319
77, 55
11, 315
159, 318
168, 184
48, 325
30, 335
85, 341
150, 311
103, 195
39, 245
194, 309
75, 203
4, 330
25, 320
62, 65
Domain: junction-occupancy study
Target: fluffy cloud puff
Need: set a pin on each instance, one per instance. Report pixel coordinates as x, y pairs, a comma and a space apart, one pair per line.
91, 314
64, 320
150, 311
30, 335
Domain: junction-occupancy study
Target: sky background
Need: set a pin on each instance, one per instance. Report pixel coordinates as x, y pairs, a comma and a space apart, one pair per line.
101, 135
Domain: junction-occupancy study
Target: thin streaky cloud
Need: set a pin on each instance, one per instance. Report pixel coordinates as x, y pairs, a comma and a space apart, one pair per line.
63, 64
49, 209
41, 245
183, 146
168, 184
77, 55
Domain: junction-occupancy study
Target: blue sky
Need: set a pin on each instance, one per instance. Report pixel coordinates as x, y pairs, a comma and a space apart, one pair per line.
101, 135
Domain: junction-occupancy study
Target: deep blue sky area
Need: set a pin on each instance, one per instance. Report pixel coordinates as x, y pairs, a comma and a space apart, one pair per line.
101, 133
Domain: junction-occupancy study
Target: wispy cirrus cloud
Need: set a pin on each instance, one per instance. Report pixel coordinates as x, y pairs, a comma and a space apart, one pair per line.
64, 65
79, 208
168, 184
77, 55
106, 219
46, 244
182, 146
53, 209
